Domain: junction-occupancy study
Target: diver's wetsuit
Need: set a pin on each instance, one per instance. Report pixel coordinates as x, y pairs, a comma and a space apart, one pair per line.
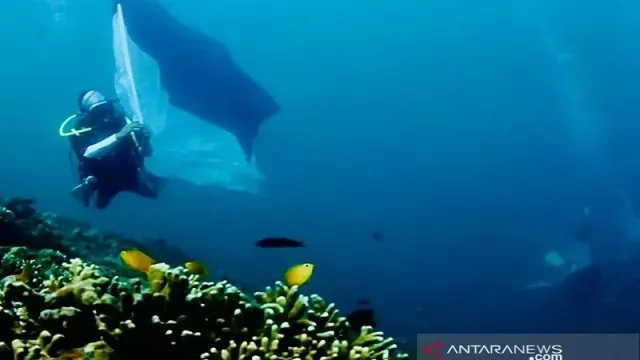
122, 168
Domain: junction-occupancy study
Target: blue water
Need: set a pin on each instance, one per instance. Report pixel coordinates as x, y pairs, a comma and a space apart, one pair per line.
471, 134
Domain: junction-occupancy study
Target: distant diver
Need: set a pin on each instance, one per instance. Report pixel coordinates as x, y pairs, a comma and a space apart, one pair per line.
110, 149
198, 73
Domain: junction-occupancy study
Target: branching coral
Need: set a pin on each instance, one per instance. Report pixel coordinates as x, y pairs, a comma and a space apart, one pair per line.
306, 327
71, 310
53, 307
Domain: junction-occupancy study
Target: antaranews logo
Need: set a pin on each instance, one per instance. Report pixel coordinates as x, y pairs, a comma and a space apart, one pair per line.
528, 346
440, 350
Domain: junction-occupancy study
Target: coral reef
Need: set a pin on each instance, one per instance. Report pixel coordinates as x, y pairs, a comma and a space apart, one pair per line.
22, 225
53, 306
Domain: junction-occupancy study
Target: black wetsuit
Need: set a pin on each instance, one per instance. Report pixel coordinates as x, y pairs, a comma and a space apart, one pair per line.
120, 169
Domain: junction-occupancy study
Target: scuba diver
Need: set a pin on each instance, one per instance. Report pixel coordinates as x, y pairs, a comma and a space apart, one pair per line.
110, 149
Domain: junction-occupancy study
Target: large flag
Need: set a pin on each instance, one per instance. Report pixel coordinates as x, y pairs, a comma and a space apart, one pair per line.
203, 110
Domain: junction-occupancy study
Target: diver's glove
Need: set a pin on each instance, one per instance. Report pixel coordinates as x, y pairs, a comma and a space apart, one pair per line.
144, 132
132, 127
144, 143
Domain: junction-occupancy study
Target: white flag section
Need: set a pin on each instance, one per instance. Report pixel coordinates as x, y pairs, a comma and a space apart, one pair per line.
184, 146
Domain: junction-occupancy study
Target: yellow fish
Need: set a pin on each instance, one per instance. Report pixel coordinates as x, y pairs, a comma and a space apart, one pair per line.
137, 260
298, 274
197, 268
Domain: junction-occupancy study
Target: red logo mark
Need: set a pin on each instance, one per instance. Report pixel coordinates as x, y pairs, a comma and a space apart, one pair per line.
434, 350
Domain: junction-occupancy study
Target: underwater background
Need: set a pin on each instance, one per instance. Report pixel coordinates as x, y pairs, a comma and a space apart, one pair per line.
430, 153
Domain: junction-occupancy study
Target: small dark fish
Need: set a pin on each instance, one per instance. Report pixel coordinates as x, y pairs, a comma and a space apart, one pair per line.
279, 243
361, 317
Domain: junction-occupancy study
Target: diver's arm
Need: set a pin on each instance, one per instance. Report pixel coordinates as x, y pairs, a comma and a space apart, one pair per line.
100, 148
